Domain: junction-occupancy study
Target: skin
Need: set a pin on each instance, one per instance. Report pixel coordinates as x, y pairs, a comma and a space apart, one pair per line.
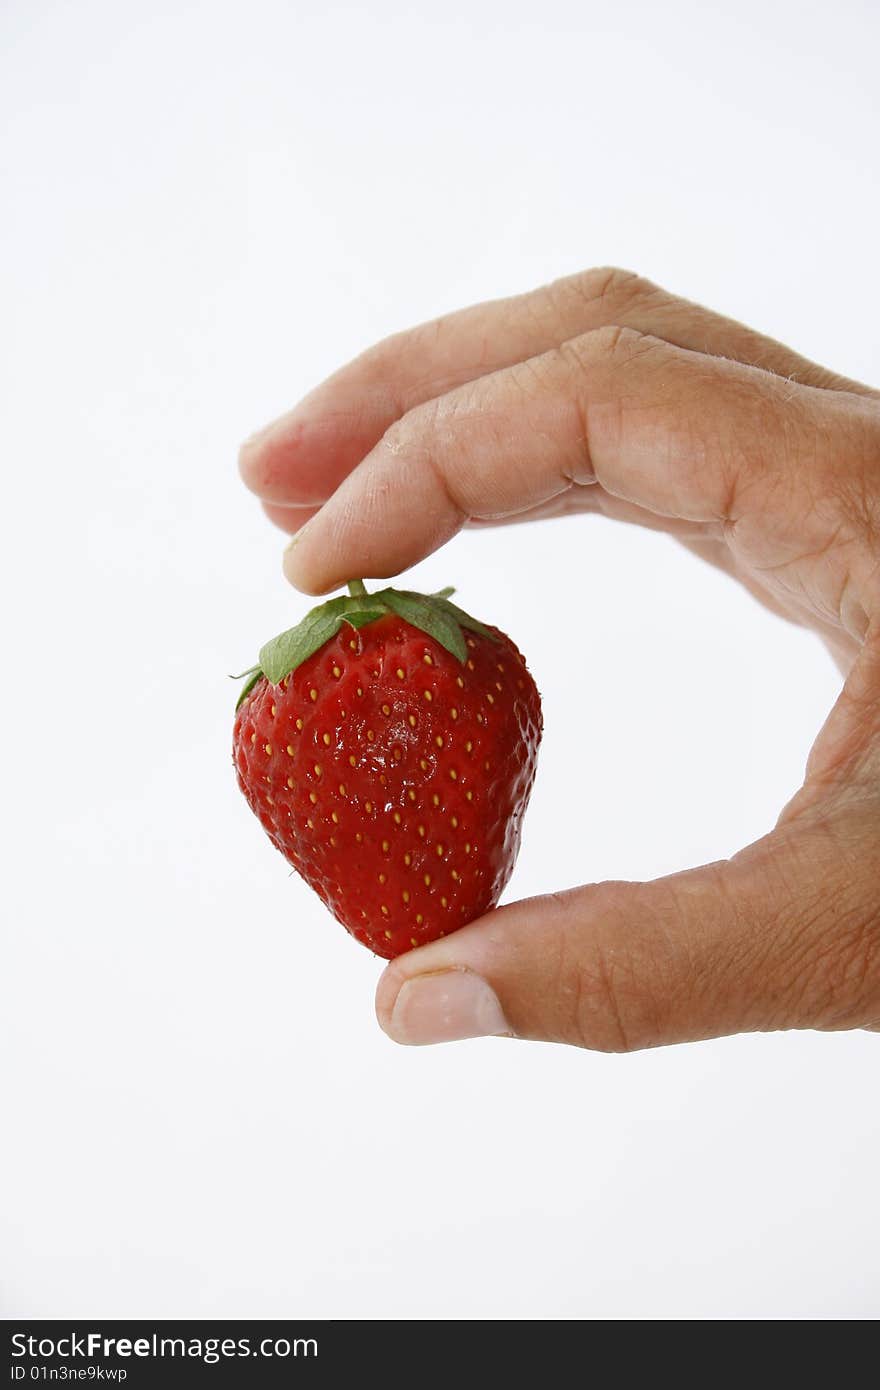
658, 412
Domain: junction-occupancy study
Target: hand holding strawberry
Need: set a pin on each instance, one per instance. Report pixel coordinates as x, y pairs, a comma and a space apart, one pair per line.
604, 394
388, 746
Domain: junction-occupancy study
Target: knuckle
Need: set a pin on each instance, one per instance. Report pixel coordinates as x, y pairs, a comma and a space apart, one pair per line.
611, 285
428, 440
611, 345
400, 436
412, 431
602, 294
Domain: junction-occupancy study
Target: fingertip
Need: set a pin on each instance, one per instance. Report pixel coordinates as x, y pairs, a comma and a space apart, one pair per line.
445, 1005
290, 567
441, 992
298, 570
244, 469
249, 458
285, 462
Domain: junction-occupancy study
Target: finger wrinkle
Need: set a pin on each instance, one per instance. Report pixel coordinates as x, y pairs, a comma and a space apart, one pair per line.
455, 506
586, 473
605, 976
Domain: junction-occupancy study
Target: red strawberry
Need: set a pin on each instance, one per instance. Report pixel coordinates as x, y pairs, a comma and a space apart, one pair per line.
388, 746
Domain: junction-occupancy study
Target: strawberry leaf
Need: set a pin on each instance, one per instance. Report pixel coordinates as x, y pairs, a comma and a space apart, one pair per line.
431, 613
428, 615
464, 619
360, 617
291, 648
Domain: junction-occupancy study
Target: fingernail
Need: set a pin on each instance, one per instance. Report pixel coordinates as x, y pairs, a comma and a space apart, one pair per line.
446, 1007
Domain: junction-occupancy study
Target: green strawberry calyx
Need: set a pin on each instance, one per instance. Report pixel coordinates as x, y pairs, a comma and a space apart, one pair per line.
431, 613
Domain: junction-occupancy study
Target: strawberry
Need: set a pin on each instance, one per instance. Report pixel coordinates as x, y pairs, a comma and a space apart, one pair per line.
388, 746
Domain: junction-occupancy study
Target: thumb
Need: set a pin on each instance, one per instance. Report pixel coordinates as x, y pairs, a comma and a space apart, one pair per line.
778, 937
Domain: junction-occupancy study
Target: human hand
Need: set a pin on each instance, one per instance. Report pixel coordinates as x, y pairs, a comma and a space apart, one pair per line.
604, 393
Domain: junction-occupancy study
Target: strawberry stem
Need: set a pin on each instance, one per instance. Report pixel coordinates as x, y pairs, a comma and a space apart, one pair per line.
356, 588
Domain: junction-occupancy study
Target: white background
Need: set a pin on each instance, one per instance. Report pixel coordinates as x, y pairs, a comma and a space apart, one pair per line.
207, 207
